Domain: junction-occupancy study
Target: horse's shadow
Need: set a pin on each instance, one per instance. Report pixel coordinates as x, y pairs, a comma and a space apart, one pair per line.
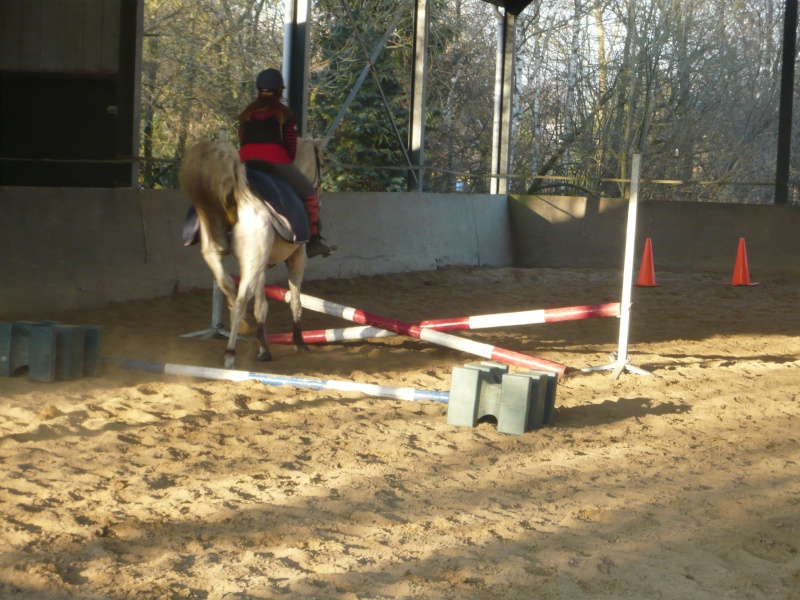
612, 411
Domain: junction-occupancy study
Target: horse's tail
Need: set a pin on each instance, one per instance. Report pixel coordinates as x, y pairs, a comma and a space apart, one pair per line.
214, 179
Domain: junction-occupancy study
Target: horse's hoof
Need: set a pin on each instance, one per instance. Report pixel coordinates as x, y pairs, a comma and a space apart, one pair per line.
301, 347
228, 359
264, 356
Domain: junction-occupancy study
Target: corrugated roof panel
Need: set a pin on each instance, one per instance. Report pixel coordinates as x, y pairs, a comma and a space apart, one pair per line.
69, 36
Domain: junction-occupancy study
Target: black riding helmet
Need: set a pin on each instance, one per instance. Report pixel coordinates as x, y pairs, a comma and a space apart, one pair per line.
270, 79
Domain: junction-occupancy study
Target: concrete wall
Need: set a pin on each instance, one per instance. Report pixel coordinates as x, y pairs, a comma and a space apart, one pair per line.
579, 232
74, 248
63, 248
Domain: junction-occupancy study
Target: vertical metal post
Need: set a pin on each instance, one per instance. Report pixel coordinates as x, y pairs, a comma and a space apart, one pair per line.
297, 30
217, 325
419, 77
787, 97
504, 76
129, 84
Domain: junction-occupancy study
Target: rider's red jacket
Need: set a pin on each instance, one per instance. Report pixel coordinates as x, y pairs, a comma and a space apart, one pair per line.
264, 138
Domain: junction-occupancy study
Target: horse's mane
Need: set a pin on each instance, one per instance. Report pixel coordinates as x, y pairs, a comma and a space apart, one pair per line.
214, 179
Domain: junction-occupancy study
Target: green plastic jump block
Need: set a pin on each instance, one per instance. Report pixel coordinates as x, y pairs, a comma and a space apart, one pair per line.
520, 402
550, 395
11, 349
51, 351
92, 360
42, 353
474, 392
31, 345
70, 343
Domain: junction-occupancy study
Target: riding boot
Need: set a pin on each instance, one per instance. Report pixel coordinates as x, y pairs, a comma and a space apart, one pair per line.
315, 246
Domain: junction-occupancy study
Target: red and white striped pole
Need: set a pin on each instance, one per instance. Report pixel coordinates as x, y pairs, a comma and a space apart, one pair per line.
327, 336
528, 317
501, 355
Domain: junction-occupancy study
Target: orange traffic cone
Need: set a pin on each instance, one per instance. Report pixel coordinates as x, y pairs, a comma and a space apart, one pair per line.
647, 275
741, 274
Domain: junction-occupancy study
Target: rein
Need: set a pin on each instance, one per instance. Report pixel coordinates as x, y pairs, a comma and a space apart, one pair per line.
317, 181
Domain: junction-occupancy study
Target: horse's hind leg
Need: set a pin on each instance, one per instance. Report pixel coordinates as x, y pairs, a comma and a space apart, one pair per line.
261, 308
296, 265
212, 253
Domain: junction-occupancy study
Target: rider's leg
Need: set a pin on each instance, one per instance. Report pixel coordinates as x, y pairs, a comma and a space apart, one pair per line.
315, 246
302, 186
312, 208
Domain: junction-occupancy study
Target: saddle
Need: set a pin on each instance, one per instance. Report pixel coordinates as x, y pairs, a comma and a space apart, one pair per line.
291, 218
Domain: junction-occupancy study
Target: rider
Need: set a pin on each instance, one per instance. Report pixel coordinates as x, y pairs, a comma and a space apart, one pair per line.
268, 143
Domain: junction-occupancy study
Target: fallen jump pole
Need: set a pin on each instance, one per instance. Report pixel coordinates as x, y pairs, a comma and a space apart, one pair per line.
326, 336
381, 391
528, 317
440, 338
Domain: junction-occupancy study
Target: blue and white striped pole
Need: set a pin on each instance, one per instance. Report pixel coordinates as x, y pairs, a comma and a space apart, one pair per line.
381, 391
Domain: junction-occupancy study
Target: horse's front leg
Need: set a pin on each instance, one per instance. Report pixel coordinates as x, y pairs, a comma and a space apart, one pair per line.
246, 288
296, 265
261, 308
212, 253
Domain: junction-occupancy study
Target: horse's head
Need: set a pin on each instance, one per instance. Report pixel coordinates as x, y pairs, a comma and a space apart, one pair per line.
309, 159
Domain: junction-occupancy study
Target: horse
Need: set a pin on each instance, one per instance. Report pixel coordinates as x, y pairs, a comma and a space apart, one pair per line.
233, 219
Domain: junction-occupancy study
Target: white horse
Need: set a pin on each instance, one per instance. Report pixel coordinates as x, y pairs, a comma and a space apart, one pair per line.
234, 220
